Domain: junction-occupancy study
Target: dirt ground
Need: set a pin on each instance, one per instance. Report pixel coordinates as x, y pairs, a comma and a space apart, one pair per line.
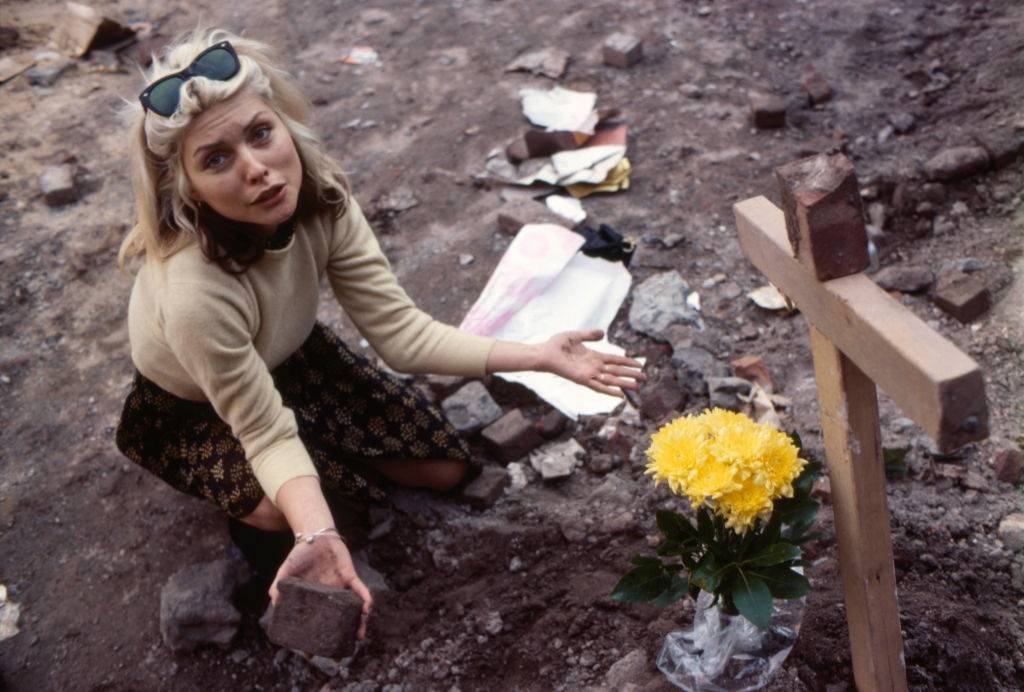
87, 539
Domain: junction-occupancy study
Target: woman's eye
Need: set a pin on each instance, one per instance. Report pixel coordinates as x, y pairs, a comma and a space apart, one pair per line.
261, 133
215, 160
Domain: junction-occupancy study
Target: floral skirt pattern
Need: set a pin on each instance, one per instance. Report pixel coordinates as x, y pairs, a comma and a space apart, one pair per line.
349, 413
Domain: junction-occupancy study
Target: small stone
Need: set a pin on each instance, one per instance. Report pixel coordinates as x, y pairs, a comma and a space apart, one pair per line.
725, 392
622, 50
471, 408
58, 185
515, 564
492, 623
46, 74
816, 86
315, 618
465, 260
975, 481
661, 396
963, 296
617, 523
902, 122
549, 62
693, 366
196, 608
557, 459
905, 279
767, 110
1011, 531
486, 488
752, 368
512, 436
1003, 146
398, 200
955, 163
327, 666
1009, 465
629, 669
822, 490
659, 302
517, 476
551, 424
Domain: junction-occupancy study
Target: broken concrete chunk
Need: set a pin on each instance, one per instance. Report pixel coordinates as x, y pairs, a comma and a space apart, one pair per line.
551, 424
512, 436
398, 200
661, 396
83, 28
956, 163
622, 50
471, 408
315, 618
694, 365
557, 459
486, 488
46, 73
768, 110
549, 62
905, 279
659, 302
195, 606
963, 296
58, 185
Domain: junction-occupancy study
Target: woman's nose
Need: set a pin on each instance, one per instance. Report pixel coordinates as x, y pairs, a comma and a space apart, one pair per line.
254, 169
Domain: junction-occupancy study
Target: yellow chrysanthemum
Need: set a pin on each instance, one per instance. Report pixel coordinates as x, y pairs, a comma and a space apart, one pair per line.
725, 459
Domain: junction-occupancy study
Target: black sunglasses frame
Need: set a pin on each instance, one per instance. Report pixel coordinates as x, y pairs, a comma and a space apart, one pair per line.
188, 73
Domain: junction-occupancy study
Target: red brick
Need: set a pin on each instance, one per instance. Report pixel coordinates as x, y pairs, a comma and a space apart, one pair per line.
551, 424
767, 110
622, 50
1009, 465
510, 437
816, 86
315, 618
963, 296
486, 488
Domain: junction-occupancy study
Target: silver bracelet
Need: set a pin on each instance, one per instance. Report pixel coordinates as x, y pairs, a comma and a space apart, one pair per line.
309, 538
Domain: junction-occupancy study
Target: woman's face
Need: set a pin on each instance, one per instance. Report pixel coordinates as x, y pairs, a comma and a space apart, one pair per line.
241, 160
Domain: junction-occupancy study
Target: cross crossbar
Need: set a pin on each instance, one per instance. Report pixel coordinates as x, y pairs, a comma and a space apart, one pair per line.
935, 384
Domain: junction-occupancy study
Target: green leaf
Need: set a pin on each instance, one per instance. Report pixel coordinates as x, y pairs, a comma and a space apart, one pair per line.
675, 526
752, 598
895, 459
645, 583
707, 575
774, 554
642, 560
804, 483
783, 582
797, 442
678, 587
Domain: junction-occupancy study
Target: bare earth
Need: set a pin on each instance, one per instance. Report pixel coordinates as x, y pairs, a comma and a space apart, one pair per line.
87, 539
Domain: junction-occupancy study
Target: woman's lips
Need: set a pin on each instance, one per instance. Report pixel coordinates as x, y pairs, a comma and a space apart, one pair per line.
272, 196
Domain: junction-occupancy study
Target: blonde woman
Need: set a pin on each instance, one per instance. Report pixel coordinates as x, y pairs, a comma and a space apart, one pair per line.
240, 396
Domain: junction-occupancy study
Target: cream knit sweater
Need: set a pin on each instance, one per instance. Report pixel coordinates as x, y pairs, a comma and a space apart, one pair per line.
203, 334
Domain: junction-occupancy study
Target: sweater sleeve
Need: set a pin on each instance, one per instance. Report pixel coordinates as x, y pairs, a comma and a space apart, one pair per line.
406, 338
209, 328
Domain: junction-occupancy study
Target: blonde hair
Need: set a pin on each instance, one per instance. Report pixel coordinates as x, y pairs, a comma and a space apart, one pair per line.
167, 216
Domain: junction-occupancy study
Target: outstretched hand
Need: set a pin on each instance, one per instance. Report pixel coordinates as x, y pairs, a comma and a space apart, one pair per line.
564, 354
326, 560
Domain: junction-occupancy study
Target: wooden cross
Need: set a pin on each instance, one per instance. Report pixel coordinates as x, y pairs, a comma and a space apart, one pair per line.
814, 252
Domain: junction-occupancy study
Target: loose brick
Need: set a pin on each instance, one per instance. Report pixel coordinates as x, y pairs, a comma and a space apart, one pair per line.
510, 437
1009, 464
816, 86
767, 110
486, 488
1011, 531
58, 185
963, 296
623, 51
551, 424
315, 618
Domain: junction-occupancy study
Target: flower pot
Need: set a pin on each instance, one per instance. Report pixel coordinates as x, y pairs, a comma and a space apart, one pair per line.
727, 652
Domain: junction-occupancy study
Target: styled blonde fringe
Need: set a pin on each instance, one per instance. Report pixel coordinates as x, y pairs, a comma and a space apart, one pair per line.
166, 213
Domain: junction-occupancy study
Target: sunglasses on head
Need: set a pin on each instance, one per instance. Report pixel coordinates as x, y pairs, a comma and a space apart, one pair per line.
218, 62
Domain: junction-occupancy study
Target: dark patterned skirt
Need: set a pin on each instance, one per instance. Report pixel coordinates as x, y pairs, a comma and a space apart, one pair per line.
349, 413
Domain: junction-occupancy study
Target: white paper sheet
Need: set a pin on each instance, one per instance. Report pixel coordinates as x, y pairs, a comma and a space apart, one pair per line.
585, 293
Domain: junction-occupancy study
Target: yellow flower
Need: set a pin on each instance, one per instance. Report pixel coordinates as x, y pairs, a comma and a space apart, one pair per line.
728, 461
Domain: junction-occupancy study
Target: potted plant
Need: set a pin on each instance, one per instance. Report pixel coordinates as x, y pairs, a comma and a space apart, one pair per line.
741, 558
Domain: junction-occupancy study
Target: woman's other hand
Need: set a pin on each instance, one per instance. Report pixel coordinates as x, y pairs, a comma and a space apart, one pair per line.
327, 561
564, 354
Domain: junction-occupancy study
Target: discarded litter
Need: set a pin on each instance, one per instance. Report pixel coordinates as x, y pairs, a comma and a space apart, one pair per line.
617, 179
361, 55
560, 109
769, 298
549, 62
9, 614
566, 207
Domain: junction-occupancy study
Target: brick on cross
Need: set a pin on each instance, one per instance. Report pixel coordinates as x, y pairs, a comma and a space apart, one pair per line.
814, 251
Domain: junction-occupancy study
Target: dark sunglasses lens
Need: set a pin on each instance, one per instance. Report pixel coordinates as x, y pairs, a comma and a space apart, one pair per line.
217, 64
163, 98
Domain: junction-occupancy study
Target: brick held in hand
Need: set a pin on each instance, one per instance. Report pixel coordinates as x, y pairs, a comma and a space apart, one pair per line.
315, 618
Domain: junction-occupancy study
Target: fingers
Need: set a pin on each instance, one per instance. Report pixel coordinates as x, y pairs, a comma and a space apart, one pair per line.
611, 359
610, 380
360, 590
623, 371
587, 335
599, 386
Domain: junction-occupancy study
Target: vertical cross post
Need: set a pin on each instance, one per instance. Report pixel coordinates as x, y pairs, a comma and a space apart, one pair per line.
814, 251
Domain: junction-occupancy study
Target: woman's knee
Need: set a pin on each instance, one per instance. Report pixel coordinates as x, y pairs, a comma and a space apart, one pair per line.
447, 475
266, 516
